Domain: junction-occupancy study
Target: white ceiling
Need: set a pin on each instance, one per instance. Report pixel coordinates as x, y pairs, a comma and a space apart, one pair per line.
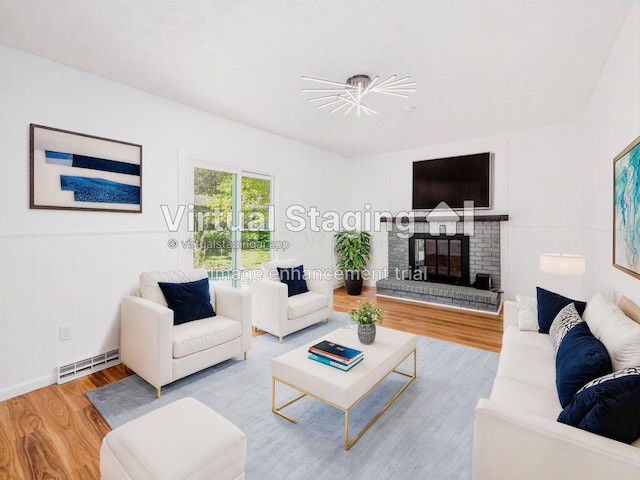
483, 67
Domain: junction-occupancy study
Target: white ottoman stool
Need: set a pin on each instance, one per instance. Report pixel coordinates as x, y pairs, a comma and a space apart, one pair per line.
182, 440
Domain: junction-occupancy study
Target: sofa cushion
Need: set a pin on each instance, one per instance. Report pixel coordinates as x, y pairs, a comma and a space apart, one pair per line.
566, 319
530, 364
150, 290
189, 301
202, 334
305, 303
620, 334
526, 398
527, 313
581, 358
294, 279
549, 304
608, 406
527, 337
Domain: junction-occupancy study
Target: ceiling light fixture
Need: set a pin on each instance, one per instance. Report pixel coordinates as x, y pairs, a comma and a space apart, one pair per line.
351, 94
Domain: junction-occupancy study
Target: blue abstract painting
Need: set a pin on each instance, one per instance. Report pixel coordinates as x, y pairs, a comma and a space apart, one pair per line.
83, 172
626, 210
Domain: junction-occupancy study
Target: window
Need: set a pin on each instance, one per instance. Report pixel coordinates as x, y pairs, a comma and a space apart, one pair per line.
233, 217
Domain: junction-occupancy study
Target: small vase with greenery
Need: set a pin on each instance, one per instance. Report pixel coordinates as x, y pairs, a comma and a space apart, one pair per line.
366, 316
353, 251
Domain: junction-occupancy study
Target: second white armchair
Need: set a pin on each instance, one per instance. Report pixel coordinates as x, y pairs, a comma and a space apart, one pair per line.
277, 313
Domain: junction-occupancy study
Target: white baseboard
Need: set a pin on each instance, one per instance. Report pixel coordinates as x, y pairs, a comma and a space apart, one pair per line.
27, 387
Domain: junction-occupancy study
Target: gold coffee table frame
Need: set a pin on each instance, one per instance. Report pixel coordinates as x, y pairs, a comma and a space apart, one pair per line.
347, 443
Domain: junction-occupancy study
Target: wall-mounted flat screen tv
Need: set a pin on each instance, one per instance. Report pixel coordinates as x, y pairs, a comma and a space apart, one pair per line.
452, 180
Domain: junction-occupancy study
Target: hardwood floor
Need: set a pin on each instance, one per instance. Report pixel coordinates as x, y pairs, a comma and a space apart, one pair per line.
55, 432
475, 329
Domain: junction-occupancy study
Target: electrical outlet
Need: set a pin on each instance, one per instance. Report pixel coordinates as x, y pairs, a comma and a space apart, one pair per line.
65, 332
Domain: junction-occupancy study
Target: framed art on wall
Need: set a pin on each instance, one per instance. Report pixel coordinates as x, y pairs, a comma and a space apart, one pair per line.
626, 210
74, 171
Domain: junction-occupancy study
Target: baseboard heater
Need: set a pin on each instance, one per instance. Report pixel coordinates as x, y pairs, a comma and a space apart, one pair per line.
86, 366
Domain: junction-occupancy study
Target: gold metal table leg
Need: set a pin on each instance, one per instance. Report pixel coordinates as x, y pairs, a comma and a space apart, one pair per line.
347, 443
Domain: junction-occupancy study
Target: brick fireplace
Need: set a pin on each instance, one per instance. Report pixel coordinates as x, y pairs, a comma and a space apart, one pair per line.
442, 268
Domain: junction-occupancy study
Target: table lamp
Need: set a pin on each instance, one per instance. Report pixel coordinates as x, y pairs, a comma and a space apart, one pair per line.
563, 263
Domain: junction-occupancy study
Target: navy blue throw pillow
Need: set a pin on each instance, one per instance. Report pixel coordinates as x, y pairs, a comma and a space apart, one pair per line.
294, 278
189, 301
608, 406
581, 357
549, 304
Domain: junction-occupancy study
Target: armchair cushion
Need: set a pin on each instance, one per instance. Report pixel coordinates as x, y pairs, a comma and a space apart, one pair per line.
305, 303
197, 336
150, 290
189, 301
294, 279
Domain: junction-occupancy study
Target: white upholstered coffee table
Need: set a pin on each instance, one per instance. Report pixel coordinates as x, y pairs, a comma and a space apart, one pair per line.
343, 390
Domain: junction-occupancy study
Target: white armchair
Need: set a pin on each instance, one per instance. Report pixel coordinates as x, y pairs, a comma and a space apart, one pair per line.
161, 352
278, 314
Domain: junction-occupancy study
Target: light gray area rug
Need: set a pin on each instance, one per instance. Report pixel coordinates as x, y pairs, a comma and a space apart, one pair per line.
426, 434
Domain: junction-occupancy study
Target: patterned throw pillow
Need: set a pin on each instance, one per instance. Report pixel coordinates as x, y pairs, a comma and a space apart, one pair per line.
608, 406
625, 372
565, 320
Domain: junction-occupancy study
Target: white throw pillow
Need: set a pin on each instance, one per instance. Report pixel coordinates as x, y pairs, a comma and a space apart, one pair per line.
565, 320
619, 334
527, 313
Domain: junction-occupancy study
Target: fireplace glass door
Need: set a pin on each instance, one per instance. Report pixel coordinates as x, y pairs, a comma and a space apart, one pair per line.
440, 259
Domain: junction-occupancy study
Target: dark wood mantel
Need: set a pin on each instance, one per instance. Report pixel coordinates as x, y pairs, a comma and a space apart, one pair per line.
476, 218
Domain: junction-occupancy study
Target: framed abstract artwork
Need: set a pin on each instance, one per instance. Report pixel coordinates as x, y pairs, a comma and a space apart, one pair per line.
74, 171
626, 210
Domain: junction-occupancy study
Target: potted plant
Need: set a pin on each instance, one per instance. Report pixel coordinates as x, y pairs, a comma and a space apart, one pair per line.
366, 316
353, 249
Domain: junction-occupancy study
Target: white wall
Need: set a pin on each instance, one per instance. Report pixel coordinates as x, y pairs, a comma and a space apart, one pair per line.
69, 267
554, 182
611, 122
533, 172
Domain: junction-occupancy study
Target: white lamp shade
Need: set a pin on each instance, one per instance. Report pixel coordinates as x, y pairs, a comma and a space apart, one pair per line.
563, 264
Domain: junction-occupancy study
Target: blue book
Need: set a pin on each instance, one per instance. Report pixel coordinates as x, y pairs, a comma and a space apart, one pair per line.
336, 352
338, 365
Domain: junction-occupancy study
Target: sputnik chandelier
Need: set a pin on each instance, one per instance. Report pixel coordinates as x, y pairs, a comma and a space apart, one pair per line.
351, 95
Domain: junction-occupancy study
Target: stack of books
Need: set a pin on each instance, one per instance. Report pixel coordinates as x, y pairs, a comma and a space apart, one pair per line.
335, 355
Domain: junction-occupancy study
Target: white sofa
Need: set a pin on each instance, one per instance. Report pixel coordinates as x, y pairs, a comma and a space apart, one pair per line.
516, 435
280, 315
161, 352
